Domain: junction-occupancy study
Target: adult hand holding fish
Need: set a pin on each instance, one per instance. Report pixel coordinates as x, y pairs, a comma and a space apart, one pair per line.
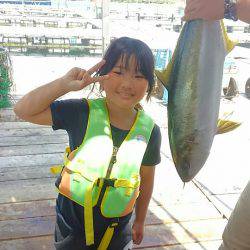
217, 9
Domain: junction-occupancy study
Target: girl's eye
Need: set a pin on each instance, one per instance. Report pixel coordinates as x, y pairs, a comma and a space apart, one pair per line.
117, 72
140, 77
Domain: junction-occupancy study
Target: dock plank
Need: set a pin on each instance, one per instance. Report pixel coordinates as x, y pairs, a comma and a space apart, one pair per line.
29, 209
155, 235
34, 140
31, 149
26, 228
185, 232
156, 214
25, 172
170, 188
27, 190
181, 213
21, 125
34, 243
31, 160
204, 245
19, 132
225, 203
46, 243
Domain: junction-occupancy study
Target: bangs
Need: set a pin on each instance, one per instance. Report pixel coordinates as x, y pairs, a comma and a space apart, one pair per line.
125, 62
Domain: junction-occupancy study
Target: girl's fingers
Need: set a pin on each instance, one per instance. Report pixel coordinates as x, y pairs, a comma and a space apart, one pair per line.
88, 79
100, 78
85, 76
96, 67
81, 74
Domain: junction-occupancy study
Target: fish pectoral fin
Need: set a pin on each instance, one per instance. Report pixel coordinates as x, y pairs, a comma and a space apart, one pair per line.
224, 126
164, 75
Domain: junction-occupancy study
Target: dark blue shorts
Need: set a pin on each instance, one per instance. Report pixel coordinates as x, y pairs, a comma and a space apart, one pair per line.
67, 239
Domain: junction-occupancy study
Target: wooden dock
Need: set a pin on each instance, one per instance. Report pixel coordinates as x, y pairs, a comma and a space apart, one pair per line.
179, 218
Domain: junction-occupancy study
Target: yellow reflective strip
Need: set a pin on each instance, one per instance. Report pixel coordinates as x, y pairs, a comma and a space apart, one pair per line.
128, 192
65, 156
72, 168
107, 237
88, 216
56, 169
122, 183
67, 150
65, 159
126, 184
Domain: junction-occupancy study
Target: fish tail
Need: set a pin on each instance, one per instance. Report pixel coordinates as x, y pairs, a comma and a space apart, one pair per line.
229, 44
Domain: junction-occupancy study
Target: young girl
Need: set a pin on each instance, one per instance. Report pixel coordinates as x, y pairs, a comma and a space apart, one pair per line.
114, 148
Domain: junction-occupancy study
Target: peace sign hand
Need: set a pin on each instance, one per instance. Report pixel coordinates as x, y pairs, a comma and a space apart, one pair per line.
76, 79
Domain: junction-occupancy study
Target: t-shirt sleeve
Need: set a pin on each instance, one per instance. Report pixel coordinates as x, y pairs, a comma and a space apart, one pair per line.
152, 154
65, 113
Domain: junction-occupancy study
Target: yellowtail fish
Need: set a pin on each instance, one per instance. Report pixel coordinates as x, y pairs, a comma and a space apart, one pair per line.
193, 79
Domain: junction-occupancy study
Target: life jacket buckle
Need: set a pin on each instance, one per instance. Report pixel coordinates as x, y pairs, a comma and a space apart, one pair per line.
109, 182
113, 225
106, 182
114, 222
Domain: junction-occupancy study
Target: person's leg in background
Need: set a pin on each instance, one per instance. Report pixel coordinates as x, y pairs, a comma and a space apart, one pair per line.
236, 235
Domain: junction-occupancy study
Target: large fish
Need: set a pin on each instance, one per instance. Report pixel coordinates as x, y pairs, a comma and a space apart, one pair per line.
194, 81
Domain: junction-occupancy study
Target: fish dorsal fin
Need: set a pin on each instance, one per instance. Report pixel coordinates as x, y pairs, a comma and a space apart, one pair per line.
229, 44
164, 75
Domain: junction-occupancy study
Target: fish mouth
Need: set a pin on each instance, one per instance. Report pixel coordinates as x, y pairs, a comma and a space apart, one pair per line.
184, 171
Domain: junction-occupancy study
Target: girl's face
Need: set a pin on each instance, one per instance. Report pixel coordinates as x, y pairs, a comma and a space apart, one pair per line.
125, 87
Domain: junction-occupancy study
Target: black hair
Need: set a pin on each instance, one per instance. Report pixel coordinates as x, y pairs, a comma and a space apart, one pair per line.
124, 48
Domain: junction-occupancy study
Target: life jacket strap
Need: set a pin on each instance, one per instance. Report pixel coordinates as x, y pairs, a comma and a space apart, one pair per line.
108, 236
57, 169
88, 215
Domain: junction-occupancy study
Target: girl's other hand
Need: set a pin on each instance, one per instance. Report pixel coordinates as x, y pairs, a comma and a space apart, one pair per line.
77, 78
137, 232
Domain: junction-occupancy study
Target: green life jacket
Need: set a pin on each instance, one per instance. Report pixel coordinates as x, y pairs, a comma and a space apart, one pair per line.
97, 164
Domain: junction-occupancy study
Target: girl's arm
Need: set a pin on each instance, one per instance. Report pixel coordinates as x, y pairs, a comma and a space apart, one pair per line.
35, 106
146, 189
